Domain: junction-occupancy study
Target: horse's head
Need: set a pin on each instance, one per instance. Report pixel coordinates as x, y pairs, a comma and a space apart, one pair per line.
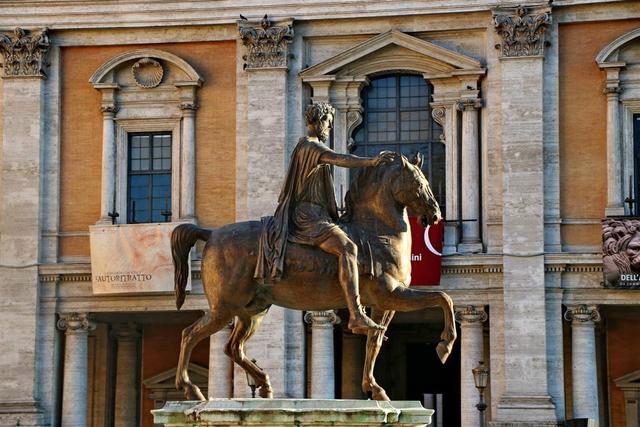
411, 189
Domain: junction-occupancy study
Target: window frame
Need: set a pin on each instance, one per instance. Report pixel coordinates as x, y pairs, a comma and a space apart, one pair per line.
124, 127
150, 172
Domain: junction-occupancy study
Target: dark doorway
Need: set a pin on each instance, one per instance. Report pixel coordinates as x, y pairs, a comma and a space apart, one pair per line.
408, 366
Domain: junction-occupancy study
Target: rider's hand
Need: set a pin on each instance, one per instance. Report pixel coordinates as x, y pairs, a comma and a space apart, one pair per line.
384, 157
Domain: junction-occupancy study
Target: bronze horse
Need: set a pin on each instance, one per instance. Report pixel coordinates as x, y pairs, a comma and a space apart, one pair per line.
377, 204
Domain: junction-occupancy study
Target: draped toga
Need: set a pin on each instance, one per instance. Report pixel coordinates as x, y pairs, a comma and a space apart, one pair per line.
306, 211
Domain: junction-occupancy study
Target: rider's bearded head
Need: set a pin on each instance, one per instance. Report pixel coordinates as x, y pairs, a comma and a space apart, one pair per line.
319, 118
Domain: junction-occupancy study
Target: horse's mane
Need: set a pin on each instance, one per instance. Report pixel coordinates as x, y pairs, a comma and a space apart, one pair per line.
361, 179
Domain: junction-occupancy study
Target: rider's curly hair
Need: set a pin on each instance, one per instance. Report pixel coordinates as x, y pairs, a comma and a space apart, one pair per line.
317, 110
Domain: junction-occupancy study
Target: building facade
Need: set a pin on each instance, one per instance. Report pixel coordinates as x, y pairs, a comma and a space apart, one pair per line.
117, 115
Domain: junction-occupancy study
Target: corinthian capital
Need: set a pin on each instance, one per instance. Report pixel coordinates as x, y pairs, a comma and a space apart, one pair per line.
322, 319
521, 30
266, 43
582, 313
75, 322
24, 53
471, 314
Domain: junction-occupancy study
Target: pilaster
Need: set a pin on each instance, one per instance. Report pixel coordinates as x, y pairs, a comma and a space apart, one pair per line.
24, 58
266, 55
322, 357
521, 31
612, 90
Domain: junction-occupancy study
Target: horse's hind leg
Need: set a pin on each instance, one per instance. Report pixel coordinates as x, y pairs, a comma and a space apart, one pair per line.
208, 324
244, 328
374, 342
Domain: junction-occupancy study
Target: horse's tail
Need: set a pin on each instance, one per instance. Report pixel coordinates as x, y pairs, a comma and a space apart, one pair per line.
183, 238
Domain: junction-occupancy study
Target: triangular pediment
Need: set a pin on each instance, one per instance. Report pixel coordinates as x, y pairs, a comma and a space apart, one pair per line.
629, 381
166, 380
408, 52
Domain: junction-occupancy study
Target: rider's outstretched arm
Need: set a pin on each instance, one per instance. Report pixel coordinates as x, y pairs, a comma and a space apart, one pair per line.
353, 161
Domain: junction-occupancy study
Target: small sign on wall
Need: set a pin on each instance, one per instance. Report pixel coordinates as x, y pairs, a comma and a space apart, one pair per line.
426, 253
132, 258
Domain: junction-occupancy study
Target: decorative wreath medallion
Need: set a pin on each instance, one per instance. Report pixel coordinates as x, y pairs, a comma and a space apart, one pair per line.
147, 72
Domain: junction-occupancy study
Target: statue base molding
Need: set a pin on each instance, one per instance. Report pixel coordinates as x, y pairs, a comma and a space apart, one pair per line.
292, 412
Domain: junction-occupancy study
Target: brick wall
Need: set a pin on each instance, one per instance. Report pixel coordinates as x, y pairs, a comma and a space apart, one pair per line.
81, 151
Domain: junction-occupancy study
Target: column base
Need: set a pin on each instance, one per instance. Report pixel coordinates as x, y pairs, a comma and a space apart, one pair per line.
470, 247
20, 413
526, 409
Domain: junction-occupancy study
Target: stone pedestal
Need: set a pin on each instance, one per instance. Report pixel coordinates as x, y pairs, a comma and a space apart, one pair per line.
292, 412
74, 387
471, 320
322, 358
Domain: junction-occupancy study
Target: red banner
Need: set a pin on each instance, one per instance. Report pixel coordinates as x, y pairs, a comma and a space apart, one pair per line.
426, 253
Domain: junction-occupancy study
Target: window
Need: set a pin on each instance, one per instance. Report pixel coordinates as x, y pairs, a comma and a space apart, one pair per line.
149, 178
397, 117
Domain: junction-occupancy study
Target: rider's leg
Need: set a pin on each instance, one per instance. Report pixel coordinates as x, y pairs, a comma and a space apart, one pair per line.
347, 252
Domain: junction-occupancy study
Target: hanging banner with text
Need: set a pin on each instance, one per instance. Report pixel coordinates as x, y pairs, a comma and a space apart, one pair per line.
426, 253
132, 258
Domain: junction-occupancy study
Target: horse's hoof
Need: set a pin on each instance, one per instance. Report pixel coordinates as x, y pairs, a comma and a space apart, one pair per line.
444, 350
192, 392
380, 394
266, 392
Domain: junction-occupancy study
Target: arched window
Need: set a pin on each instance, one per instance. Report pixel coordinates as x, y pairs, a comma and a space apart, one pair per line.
397, 117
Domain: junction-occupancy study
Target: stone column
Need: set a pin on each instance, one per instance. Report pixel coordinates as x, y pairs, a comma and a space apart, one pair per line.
74, 383
127, 374
612, 90
220, 365
470, 185
583, 360
322, 366
526, 396
108, 183
188, 163
21, 171
471, 320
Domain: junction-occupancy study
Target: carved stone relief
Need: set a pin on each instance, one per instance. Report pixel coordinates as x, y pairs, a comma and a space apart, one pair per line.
147, 73
621, 252
266, 44
24, 53
354, 118
522, 30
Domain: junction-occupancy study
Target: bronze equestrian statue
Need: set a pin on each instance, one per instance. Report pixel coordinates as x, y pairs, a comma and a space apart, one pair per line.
306, 258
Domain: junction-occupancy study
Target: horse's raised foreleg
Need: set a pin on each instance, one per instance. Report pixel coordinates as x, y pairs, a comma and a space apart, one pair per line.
406, 299
374, 342
208, 324
242, 331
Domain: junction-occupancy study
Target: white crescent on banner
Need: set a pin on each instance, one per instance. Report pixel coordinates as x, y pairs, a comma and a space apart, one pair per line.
427, 241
